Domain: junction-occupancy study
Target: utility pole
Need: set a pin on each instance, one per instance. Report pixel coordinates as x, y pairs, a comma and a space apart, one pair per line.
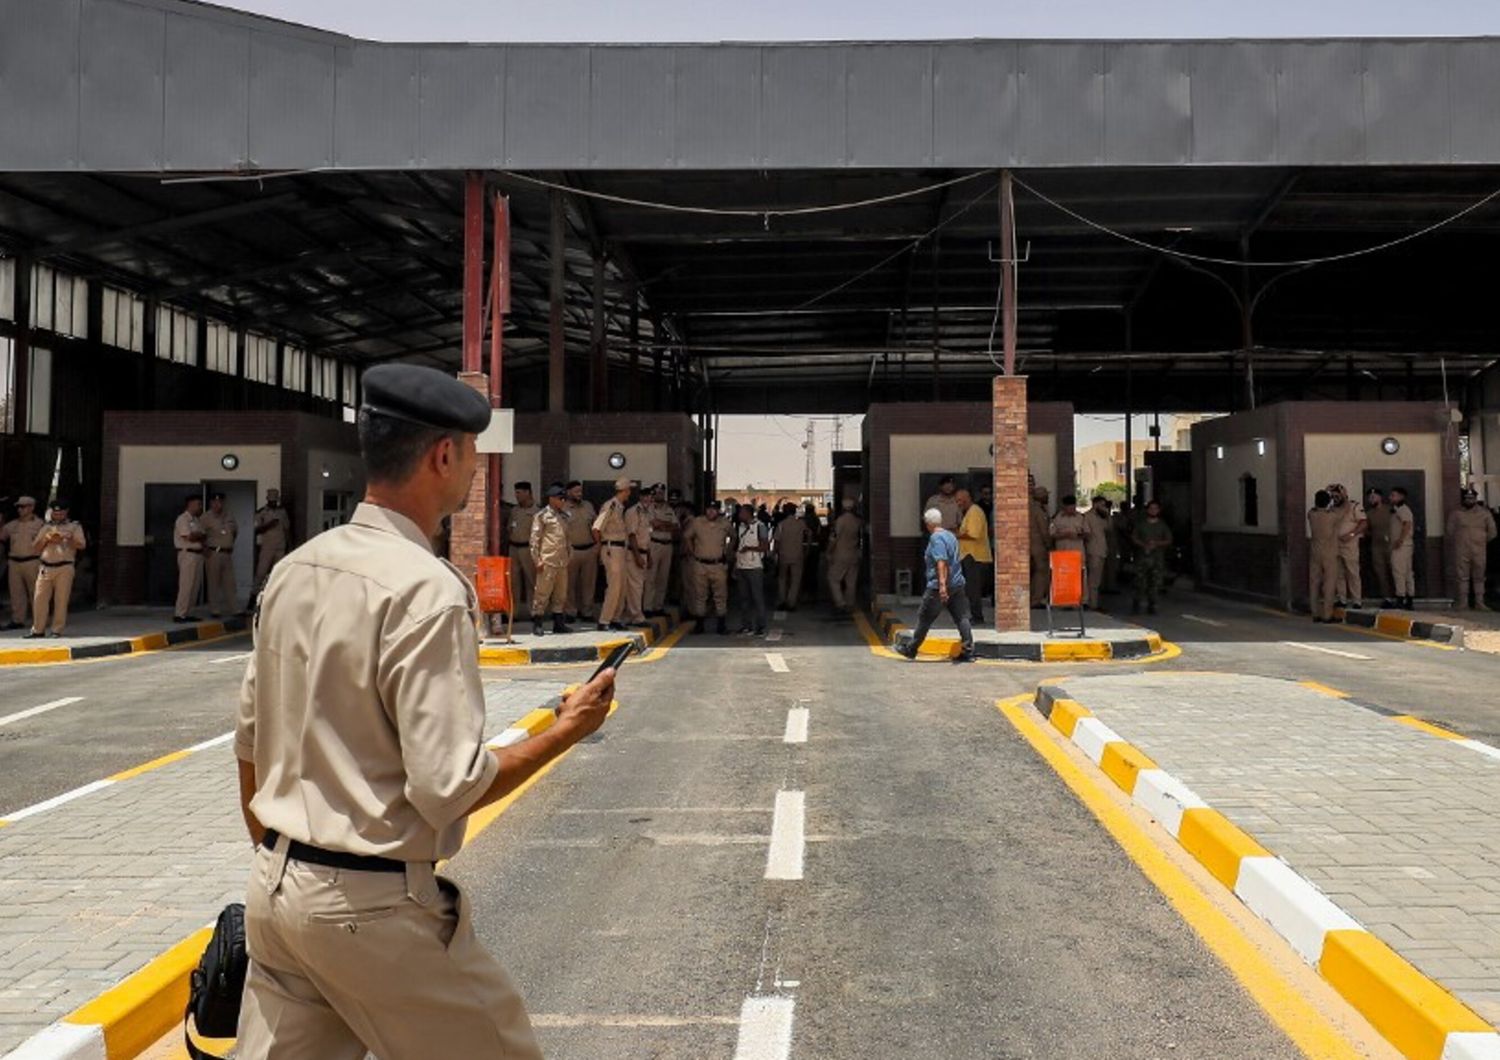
838, 435
807, 474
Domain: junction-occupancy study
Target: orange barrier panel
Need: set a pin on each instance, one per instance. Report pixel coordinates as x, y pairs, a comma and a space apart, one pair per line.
494, 584
1067, 579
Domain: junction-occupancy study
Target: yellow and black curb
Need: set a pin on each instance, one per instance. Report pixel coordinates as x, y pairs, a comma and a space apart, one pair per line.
1400, 624
1421, 1019
167, 638
657, 629
894, 633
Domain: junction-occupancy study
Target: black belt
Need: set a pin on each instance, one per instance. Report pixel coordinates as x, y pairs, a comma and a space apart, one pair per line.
710, 562
62, 563
194, 551
617, 544
24, 559
662, 540
333, 859
582, 548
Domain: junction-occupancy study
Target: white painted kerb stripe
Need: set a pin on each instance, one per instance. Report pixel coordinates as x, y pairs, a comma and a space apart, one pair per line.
206, 744
1482, 748
1471, 1045
1326, 651
63, 1041
796, 726
1165, 798
58, 800
1091, 734
1298, 911
765, 1029
21, 715
241, 657
778, 664
788, 836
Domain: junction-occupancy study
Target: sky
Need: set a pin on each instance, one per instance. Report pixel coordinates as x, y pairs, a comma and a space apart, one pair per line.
773, 20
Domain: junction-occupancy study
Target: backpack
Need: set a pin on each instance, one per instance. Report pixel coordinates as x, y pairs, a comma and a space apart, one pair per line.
218, 983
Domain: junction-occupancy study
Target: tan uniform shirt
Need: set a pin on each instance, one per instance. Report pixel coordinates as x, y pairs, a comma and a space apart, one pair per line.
638, 528
186, 524
1323, 526
221, 530
1100, 531
20, 536
1349, 515
610, 522
1471, 526
660, 514
844, 542
947, 505
706, 539
518, 524
272, 527
1070, 531
1403, 527
1380, 523
59, 542
792, 539
581, 524
549, 538
362, 707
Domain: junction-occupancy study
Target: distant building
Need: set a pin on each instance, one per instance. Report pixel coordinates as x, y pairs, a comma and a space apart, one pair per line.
773, 498
1104, 462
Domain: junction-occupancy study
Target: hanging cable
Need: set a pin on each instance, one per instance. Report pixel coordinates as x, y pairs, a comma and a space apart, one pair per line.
1300, 262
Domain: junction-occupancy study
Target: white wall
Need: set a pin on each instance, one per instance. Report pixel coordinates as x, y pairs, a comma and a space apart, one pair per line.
1344, 458
1223, 487
346, 473
913, 454
524, 464
644, 463
140, 464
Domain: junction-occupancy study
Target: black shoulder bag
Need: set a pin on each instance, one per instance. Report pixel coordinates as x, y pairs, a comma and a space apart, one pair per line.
218, 983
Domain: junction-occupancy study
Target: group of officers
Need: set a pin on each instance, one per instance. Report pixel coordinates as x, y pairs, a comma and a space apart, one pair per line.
1337, 524
652, 545
204, 542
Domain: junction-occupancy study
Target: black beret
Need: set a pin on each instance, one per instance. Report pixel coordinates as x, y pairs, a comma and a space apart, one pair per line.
425, 396
524, 486
556, 490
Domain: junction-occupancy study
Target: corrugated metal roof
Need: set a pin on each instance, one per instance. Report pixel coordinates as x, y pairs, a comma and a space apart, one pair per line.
167, 85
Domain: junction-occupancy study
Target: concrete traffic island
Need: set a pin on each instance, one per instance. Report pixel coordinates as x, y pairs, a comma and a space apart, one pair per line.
1107, 637
1444, 627
113, 631
1359, 835
585, 644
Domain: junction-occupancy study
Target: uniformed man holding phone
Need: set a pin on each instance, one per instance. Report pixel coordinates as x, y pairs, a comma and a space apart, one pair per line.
361, 747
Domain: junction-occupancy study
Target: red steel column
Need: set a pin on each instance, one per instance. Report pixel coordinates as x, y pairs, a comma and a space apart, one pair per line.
1008, 269
468, 536
499, 306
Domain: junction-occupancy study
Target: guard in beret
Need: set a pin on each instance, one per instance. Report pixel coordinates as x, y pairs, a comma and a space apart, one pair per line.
21, 562
57, 545
518, 534
1470, 530
361, 747
664, 530
583, 566
550, 553
615, 551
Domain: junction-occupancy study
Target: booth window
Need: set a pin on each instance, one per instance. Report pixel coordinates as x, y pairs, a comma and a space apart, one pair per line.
351, 385
1249, 501
7, 288
294, 368
176, 336
7, 386
39, 398
325, 378
260, 358
59, 302
122, 320
218, 352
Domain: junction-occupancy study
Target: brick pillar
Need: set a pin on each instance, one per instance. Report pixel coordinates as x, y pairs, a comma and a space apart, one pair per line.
466, 542
1012, 529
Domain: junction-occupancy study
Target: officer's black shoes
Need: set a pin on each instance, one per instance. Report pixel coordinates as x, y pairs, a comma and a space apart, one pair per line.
723, 629
601, 627
538, 630
760, 631
1387, 603
1135, 609
9, 626
618, 627
906, 651
560, 625
1355, 605
33, 635
53, 633
700, 625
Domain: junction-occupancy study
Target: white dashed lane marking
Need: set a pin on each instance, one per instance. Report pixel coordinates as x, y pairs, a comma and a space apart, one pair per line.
1326, 651
765, 1029
1206, 621
778, 664
796, 725
788, 836
22, 715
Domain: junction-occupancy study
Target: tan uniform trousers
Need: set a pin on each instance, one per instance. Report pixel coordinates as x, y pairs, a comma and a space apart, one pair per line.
1093, 568
522, 576
1041, 575
1406, 581
1346, 563
635, 586
615, 559
343, 962
22, 576
1322, 579
1380, 562
843, 578
1469, 565
53, 587
551, 591
189, 580
218, 569
583, 581
267, 559
658, 577
709, 580
789, 582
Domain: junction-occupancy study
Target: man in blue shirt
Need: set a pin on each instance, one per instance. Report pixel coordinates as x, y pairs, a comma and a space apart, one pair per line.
945, 589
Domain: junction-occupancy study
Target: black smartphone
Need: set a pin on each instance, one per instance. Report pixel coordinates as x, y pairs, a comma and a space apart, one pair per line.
614, 658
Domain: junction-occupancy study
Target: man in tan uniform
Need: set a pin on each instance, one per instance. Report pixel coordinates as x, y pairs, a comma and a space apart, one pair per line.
1403, 546
637, 567
611, 535
945, 500
1352, 527
1378, 519
188, 536
1040, 544
843, 557
518, 533
21, 562
1096, 547
358, 774
273, 528
57, 543
218, 555
707, 542
1470, 530
583, 561
550, 554
792, 539
1323, 557
663, 523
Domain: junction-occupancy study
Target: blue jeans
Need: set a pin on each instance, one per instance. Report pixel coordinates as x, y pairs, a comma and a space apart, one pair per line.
751, 586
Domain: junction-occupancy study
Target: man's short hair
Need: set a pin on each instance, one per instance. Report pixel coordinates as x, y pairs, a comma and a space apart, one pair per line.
575, 484
1321, 499
932, 517
1398, 489
1069, 499
523, 486
191, 497
392, 448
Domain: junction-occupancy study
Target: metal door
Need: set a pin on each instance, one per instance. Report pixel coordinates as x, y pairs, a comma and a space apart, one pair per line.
1414, 482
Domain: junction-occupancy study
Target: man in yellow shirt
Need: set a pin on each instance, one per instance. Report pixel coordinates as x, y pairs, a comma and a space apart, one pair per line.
974, 552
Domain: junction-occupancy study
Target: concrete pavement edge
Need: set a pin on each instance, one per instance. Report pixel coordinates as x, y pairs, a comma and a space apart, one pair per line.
887, 630
167, 638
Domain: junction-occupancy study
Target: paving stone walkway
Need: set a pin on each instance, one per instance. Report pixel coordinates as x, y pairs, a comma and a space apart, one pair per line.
93, 889
1398, 826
